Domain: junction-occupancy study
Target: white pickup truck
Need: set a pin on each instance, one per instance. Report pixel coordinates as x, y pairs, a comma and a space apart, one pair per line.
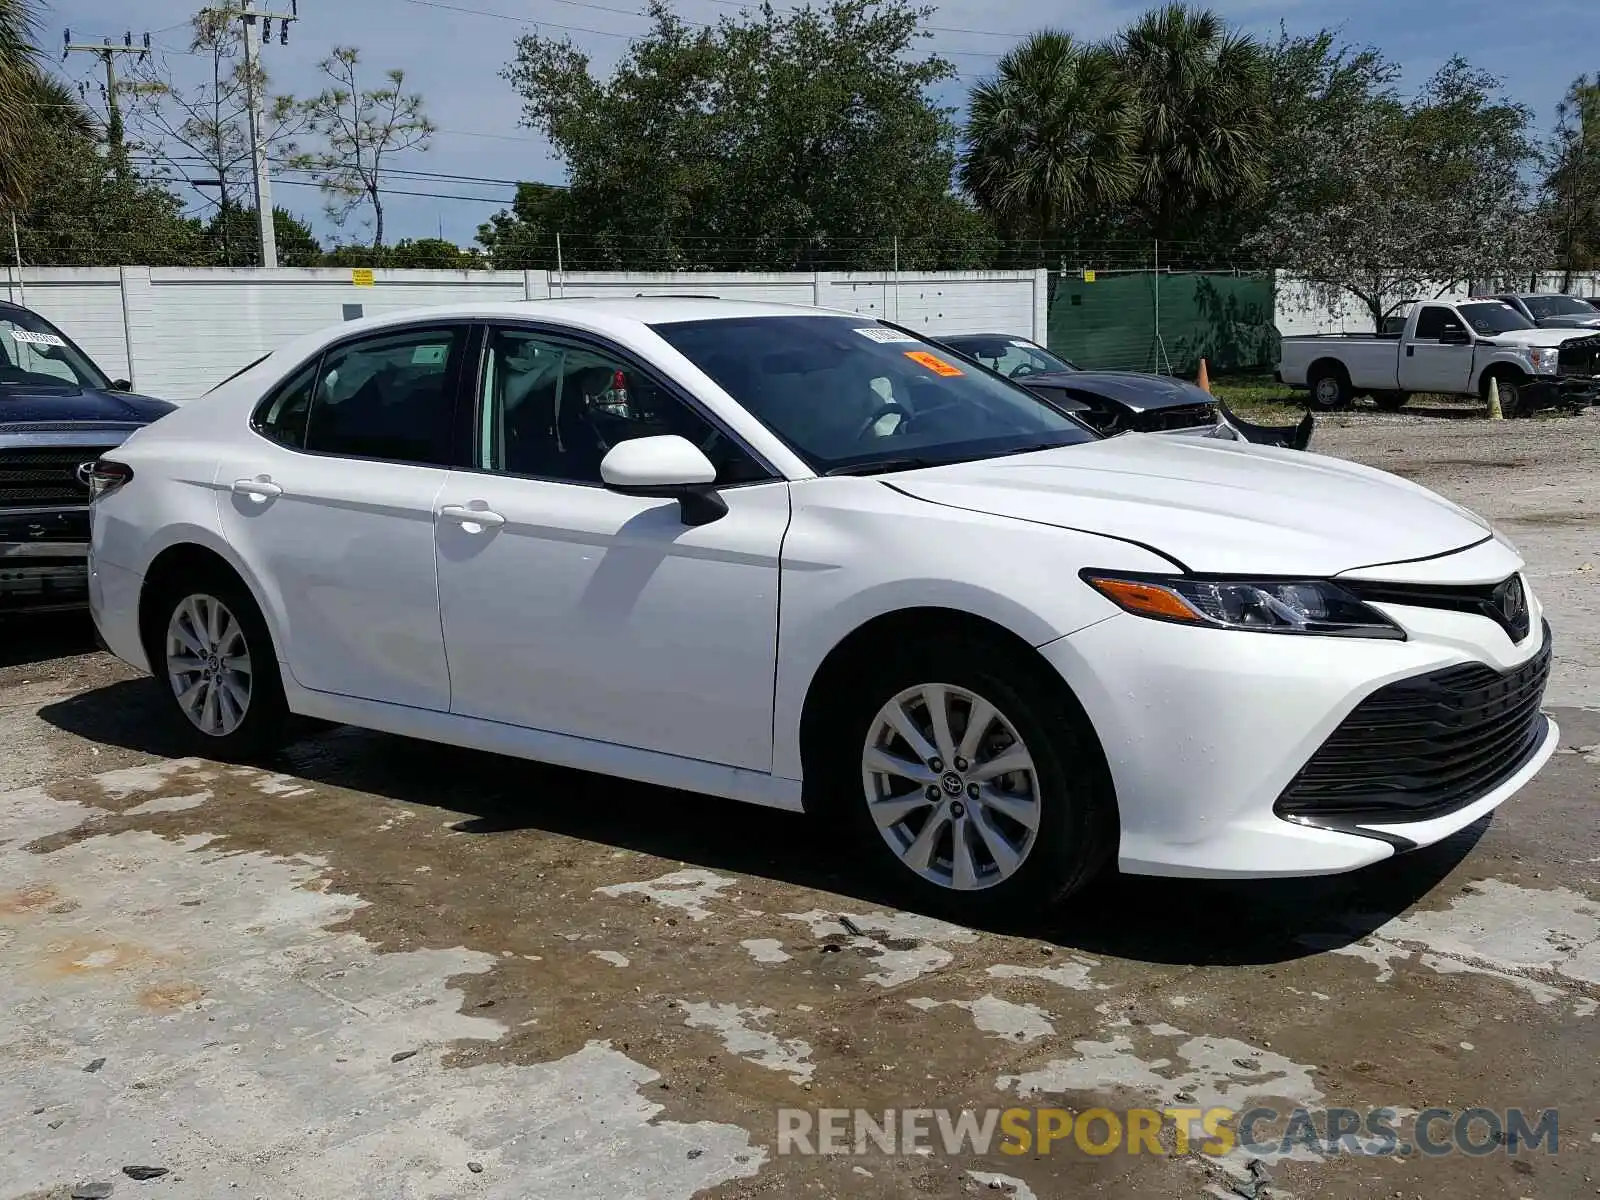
1449, 348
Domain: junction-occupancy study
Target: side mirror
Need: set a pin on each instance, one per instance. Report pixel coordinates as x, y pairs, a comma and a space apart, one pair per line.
122, 385
668, 466
1454, 335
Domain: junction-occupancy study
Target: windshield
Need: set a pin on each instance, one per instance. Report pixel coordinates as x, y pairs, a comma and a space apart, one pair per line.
33, 353
849, 394
1014, 357
1493, 316
1559, 306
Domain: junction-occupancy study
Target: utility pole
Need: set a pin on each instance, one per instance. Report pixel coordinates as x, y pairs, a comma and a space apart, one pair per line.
108, 56
254, 37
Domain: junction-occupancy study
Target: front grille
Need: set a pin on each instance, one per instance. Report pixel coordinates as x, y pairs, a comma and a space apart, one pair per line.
1183, 416
1423, 747
1580, 356
1505, 603
39, 477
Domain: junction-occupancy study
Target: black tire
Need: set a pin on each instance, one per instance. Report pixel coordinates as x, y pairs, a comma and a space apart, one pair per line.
262, 726
1512, 403
1330, 387
1390, 401
1076, 835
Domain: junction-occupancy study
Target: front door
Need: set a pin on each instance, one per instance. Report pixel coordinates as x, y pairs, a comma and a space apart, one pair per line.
571, 609
331, 509
1431, 364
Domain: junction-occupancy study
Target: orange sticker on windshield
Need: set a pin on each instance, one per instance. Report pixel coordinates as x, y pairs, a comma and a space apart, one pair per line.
934, 363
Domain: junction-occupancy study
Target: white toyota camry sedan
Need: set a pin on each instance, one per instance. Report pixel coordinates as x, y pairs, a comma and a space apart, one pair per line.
802, 558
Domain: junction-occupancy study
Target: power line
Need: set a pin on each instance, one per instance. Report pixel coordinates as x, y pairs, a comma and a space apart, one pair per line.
499, 16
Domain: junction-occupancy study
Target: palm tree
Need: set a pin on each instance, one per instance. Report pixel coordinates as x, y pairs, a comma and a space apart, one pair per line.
1051, 136
30, 101
1203, 111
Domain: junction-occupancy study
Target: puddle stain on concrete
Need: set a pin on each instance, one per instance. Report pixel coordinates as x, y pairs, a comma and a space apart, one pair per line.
287, 1056
1544, 942
742, 1035
1073, 974
688, 890
902, 946
1004, 1019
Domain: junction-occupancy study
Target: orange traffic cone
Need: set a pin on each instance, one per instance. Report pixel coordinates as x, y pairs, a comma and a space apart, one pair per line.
1204, 382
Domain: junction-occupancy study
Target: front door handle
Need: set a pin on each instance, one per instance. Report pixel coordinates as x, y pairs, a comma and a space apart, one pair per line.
261, 488
473, 520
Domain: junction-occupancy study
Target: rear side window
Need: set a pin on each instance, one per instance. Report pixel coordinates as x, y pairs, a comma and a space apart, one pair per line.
283, 417
1431, 322
389, 397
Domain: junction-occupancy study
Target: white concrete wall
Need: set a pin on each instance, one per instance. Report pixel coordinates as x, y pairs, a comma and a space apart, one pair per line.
176, 331
1301, 311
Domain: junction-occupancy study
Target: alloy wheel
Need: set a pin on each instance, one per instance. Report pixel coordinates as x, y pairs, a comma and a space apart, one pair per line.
951, 786
208, 664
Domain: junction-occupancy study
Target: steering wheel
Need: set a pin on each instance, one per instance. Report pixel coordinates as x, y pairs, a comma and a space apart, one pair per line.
879, 413
1022, 369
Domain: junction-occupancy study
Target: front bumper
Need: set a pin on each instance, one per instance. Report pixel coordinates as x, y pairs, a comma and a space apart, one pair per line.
38, 576
1563, 391
1205, 729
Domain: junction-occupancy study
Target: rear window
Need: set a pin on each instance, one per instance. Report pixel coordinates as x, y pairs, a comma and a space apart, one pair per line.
847, 393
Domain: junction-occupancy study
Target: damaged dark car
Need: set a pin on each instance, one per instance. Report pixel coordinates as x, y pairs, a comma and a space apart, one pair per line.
1113, 402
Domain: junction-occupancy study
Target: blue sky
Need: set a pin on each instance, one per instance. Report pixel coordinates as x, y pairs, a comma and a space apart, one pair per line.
453, 57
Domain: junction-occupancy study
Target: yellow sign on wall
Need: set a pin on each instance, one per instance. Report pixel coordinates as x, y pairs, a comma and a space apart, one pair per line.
1088, 276
361, 276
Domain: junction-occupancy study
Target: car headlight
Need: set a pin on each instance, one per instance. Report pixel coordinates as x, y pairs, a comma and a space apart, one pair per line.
1314, 606
1544, 359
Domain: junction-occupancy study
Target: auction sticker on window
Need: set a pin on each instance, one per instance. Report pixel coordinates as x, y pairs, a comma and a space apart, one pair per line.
934, 363
36, 339
877, 333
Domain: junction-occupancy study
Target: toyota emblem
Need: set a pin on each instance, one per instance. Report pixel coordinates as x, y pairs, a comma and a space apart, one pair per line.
85, 470
1512, 601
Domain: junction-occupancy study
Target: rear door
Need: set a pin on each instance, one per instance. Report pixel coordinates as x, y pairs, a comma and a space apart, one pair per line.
1428, 362
331, 508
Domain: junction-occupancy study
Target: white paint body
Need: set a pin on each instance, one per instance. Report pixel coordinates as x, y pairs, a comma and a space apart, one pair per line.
592, 629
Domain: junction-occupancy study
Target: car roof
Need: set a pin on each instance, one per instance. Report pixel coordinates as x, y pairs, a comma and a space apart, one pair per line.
646, 310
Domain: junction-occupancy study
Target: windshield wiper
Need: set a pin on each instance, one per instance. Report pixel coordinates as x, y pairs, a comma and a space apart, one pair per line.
881, 466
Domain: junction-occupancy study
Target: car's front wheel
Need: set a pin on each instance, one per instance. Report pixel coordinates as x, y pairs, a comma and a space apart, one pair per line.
972, 782
219, 668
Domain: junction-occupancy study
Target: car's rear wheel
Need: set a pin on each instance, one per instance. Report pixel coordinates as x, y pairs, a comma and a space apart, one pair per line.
971, 782
219, 668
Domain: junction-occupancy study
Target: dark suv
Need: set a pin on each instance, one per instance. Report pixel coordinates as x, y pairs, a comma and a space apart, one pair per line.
58, 414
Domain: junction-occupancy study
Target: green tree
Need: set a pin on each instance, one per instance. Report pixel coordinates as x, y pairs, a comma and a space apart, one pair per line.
361, 129
435, 254
778, 139
523, 238
235, 227
84, 212
1572, 180
1204, 118
1050, 137
179, 124
1396, 199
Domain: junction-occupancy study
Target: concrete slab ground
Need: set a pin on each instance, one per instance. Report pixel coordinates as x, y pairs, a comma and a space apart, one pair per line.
383, 968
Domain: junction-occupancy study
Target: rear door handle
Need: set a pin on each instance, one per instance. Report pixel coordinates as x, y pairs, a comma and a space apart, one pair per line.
473, 520
257, 489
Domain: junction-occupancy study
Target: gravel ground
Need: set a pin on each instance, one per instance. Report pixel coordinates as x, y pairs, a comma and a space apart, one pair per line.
383, 968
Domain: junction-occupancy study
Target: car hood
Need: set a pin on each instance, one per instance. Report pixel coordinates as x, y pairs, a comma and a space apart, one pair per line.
1135, 392
1572, 322
29, 405
1538, 337
1212, 506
